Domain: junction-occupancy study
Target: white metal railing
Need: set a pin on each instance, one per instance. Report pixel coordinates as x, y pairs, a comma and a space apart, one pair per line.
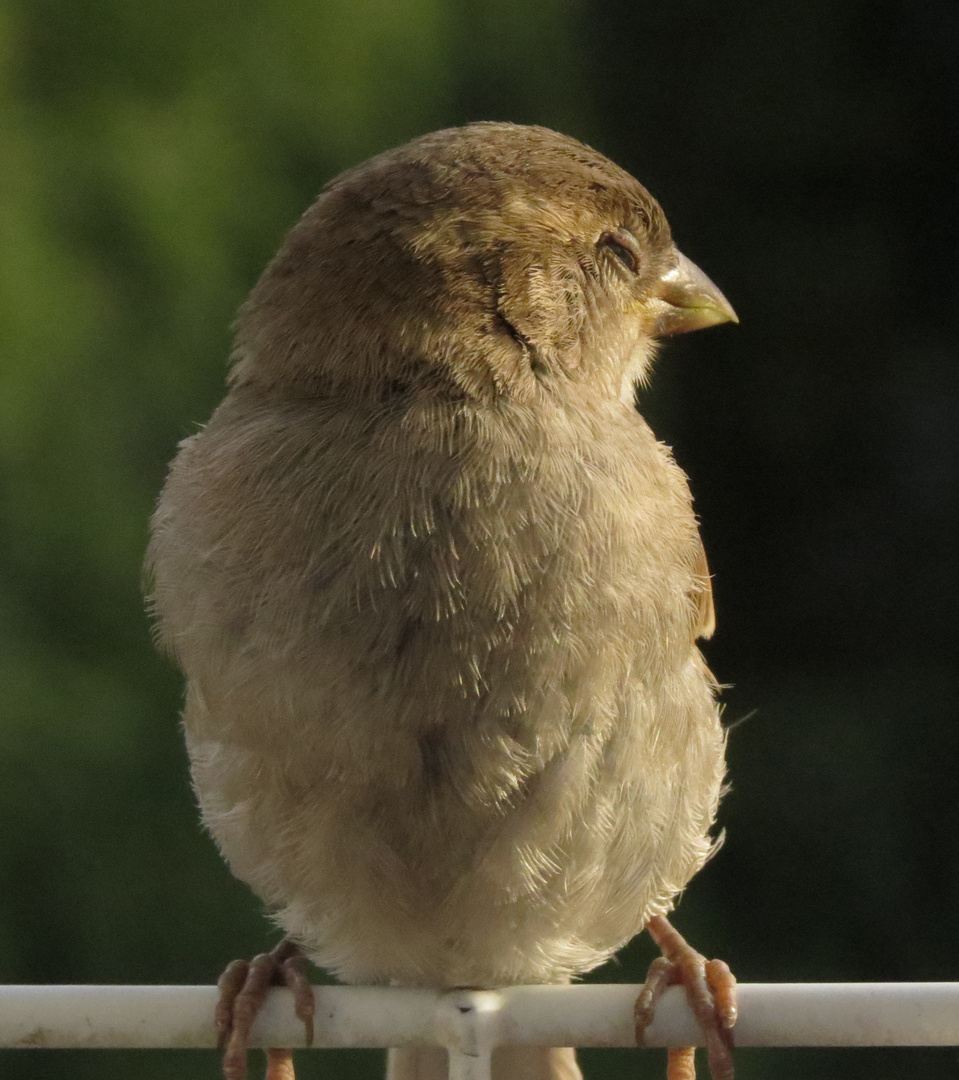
471, 1023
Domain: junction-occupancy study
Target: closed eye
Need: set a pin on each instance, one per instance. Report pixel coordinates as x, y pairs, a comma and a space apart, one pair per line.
624, 246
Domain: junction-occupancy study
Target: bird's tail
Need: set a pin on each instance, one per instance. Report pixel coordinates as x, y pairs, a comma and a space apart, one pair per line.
509, 1063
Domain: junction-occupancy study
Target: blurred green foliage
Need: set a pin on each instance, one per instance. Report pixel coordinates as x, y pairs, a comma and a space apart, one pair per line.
151, 157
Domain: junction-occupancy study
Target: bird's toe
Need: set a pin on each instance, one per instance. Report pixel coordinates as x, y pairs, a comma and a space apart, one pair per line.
243, 987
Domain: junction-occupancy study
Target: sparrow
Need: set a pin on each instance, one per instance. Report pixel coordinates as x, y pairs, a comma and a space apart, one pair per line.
436, 590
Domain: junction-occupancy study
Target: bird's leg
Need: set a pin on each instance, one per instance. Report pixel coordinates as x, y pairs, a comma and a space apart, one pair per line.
243, 988
710, 990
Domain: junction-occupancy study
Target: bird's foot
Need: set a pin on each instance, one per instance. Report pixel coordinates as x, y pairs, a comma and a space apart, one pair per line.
243, 988
710, 990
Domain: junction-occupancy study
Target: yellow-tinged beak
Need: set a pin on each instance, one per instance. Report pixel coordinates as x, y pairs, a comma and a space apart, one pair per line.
688, 300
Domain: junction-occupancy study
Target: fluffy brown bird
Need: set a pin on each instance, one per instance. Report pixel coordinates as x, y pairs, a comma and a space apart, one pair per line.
436, 587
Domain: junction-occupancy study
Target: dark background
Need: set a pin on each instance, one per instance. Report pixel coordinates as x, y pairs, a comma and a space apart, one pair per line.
151, 158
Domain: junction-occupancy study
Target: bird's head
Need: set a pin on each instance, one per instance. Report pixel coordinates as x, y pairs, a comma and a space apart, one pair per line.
485, 261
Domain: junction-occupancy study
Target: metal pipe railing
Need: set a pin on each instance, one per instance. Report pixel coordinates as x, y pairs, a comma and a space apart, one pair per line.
471, 1023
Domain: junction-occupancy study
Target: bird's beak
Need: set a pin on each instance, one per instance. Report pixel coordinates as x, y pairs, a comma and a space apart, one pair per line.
687, 300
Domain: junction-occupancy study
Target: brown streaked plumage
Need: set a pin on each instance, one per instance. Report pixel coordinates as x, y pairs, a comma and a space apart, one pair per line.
435, 585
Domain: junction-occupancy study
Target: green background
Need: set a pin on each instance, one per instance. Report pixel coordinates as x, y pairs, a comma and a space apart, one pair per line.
151, 158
